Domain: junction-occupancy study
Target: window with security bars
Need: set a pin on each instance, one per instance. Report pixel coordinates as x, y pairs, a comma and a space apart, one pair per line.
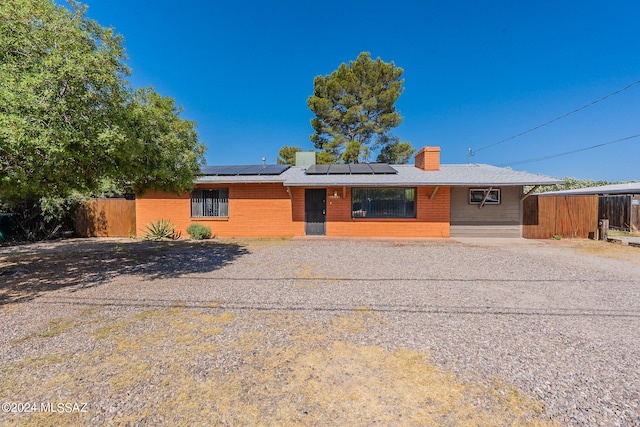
210, 203
383, 203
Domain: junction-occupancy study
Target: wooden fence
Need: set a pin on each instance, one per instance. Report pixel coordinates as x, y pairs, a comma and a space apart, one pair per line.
567, 216
107, 218
622, 211
635, 214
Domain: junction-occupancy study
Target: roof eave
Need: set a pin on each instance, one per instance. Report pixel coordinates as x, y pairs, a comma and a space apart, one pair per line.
416, 184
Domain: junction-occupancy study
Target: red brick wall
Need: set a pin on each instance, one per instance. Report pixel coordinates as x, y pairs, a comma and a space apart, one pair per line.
432, 217
255, 210
154, 206
268, 210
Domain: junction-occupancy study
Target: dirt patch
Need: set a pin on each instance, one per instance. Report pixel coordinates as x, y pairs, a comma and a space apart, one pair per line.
181, 366
602, 249
325, 332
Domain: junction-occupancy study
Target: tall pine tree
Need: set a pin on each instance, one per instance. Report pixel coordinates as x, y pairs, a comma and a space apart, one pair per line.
355, 111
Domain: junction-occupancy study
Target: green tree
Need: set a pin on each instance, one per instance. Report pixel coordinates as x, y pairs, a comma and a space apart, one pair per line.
287, 155
355, 109
162, 151
69, 120
396, 152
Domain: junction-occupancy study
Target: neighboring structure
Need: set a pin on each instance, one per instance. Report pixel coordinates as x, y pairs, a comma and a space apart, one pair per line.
627, 188
360, 200
619, 203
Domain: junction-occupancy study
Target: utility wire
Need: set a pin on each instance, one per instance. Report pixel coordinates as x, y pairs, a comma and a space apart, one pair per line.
566, 153
472, 152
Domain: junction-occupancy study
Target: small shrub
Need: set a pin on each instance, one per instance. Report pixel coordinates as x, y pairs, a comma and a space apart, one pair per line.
199, 231
161, 230
557, 237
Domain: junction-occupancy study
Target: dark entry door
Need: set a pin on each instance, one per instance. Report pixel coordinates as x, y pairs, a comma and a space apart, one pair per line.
315, 211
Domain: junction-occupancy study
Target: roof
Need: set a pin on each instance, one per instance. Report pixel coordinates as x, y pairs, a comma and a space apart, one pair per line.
408, 175
628, 188
246, 170
242, 173
351, 169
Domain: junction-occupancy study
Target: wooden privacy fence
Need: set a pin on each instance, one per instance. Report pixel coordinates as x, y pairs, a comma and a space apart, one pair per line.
567, 216
107, 218
622, 211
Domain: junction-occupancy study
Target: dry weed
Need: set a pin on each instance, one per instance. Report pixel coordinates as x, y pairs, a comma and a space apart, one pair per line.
605, 249
182, 366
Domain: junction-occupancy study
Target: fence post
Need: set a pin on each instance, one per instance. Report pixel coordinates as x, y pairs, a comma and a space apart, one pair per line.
603, 229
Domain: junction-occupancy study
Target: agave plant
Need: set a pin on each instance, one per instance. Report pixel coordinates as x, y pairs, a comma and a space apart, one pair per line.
160, 230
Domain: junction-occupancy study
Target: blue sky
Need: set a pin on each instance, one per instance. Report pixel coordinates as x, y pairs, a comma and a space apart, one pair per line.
475, 73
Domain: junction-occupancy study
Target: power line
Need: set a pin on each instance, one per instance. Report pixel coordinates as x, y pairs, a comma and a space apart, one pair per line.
566, 153
472, 152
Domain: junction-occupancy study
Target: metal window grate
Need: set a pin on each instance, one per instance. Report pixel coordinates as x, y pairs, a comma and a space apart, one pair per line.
210, 203
383, 203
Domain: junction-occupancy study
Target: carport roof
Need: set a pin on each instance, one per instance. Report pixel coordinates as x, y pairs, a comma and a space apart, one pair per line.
627, 188
408, 175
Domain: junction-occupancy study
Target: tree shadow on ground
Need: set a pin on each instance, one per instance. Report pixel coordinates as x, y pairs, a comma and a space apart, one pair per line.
30, 270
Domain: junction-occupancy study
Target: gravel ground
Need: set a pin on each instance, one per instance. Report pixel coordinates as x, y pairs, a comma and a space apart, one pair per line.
558, 324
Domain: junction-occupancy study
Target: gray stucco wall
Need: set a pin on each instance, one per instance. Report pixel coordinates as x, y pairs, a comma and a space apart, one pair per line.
502, 219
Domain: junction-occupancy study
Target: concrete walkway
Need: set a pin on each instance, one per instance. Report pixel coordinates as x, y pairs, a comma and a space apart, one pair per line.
626, 240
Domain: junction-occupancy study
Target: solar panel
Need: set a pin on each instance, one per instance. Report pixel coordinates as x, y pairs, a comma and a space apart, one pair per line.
361, 169
220, 170
274, 169
339, 170
382, 169
244, 170
251, 170
355, 169
317, 170
209, 170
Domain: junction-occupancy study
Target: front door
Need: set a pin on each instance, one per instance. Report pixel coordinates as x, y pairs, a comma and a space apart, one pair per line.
315, 211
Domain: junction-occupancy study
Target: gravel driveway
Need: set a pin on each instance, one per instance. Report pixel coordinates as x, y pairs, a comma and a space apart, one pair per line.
559, 325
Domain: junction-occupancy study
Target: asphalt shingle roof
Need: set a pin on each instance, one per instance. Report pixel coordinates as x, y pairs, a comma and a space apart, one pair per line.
408, 175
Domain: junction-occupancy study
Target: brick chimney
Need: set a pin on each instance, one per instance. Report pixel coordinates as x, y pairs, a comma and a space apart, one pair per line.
428, 159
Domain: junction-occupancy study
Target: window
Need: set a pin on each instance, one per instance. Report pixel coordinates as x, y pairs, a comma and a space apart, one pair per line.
477, 195
210, 203
383, 203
